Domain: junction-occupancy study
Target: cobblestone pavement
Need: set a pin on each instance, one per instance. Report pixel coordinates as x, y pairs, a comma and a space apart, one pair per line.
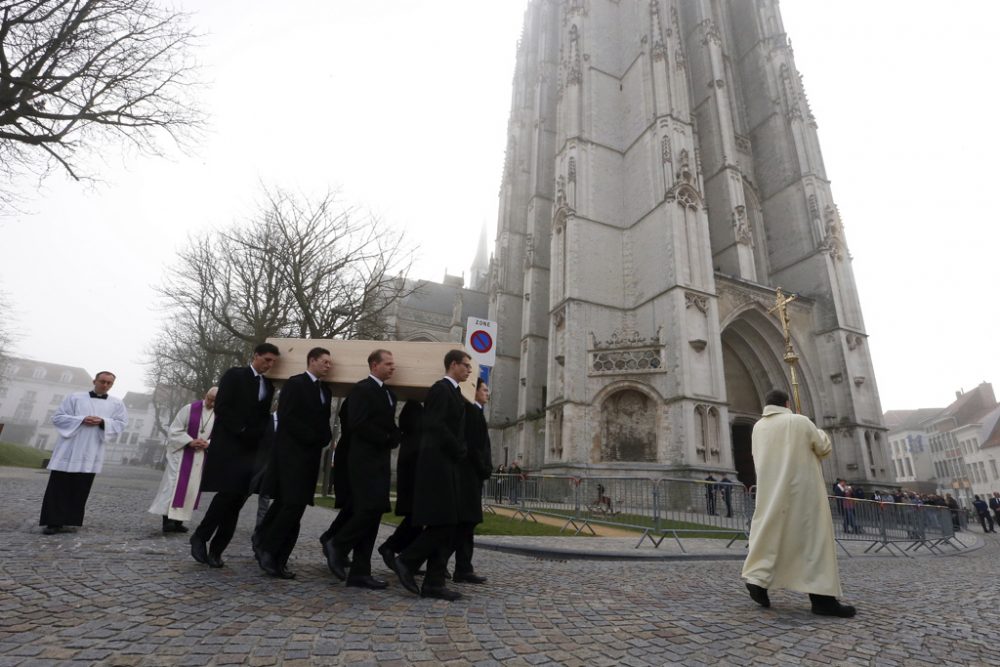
118, 592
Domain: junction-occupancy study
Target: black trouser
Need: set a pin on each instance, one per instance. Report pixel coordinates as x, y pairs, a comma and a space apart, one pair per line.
358, 535
463, 547
65, 498
343, 516
434, 546
279, 529
710, 502
983, 520
220, 520
403, 536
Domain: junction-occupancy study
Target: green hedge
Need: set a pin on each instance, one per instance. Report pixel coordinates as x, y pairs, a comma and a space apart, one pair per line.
21, 456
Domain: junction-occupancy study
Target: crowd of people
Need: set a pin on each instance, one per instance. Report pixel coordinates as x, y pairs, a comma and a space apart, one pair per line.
230, 443
986, 510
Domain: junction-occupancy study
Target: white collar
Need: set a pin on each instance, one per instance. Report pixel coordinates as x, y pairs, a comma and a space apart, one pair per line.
479, 405
451, 380
377, 381
254, 371
312, 377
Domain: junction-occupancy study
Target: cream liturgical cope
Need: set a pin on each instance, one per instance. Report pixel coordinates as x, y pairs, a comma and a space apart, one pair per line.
791, 535
178, 493
80, 448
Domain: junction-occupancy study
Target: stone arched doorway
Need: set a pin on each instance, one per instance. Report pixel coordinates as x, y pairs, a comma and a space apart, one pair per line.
752, 349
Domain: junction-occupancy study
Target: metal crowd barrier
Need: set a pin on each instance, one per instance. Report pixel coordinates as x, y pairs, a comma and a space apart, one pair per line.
673, 508
895, 527
656, 508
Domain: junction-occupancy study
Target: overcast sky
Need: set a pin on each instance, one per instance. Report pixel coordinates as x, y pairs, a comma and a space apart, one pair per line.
401, 106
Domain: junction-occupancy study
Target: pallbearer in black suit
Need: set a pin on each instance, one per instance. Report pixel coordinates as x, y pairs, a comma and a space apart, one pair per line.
410, 425
341, 491
371, 418
435, 498
303, 432
242, 411
473, 470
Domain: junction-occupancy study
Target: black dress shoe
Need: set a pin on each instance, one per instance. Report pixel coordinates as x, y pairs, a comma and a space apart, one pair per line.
335, 561
51, 530
199, 550
388, 556
827, 605
759, 595
470, 578
367, 581
440, 593
269, 563
215, 560
405, 576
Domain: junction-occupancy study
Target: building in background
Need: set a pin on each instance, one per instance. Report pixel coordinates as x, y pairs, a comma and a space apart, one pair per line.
142, 440
908, 447
983, 464
30, 394
662, 178
956, 436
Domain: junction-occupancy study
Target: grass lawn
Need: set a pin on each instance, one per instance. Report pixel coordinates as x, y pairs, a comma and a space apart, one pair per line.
21, 456
491, 525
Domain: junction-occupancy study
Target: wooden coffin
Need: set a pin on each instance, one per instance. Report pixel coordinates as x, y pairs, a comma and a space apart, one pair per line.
418, 364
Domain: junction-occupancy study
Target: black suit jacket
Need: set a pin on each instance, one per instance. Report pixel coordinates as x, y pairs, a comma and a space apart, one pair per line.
341, 454
241, 421
475, 467
303, 432
411, 425
442, 447
371, 418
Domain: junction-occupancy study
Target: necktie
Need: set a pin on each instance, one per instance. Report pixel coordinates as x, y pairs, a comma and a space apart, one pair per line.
388, 394
319, 386
262, 390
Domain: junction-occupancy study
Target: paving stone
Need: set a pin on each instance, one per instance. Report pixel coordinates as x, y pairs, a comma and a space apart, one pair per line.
118, 592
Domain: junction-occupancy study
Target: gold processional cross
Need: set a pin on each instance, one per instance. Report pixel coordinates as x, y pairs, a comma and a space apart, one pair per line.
781, 308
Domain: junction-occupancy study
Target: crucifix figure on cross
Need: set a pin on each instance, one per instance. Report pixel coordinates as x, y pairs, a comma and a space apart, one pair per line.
781, 307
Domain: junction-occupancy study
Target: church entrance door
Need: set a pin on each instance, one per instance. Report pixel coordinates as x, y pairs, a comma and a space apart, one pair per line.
746, 473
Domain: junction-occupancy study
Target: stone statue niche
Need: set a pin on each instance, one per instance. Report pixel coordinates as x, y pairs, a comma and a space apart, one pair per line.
628, 427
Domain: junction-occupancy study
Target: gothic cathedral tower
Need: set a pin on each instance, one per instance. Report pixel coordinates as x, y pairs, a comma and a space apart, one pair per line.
663, 176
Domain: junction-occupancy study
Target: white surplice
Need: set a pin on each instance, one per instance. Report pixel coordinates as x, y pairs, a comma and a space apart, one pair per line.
80, 448
791, 535
177, 440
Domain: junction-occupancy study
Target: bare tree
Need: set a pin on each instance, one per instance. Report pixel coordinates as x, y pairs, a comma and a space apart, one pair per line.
6, 336
74, 73
300, 268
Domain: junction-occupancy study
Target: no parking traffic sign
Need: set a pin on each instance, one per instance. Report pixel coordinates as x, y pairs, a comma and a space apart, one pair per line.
481, 341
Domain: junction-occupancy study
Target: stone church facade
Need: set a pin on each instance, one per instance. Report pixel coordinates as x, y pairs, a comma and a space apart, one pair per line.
663, 177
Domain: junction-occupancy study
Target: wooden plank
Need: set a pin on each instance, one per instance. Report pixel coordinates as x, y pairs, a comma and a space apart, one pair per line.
418, 364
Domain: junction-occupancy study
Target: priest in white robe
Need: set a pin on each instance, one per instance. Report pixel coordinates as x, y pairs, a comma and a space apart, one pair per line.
187, 440
84, 421
791, 535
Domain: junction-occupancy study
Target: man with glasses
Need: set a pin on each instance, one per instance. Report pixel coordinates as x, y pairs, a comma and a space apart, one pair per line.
435, 501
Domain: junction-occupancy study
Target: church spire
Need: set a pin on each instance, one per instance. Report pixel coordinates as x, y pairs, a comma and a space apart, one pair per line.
481, 264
